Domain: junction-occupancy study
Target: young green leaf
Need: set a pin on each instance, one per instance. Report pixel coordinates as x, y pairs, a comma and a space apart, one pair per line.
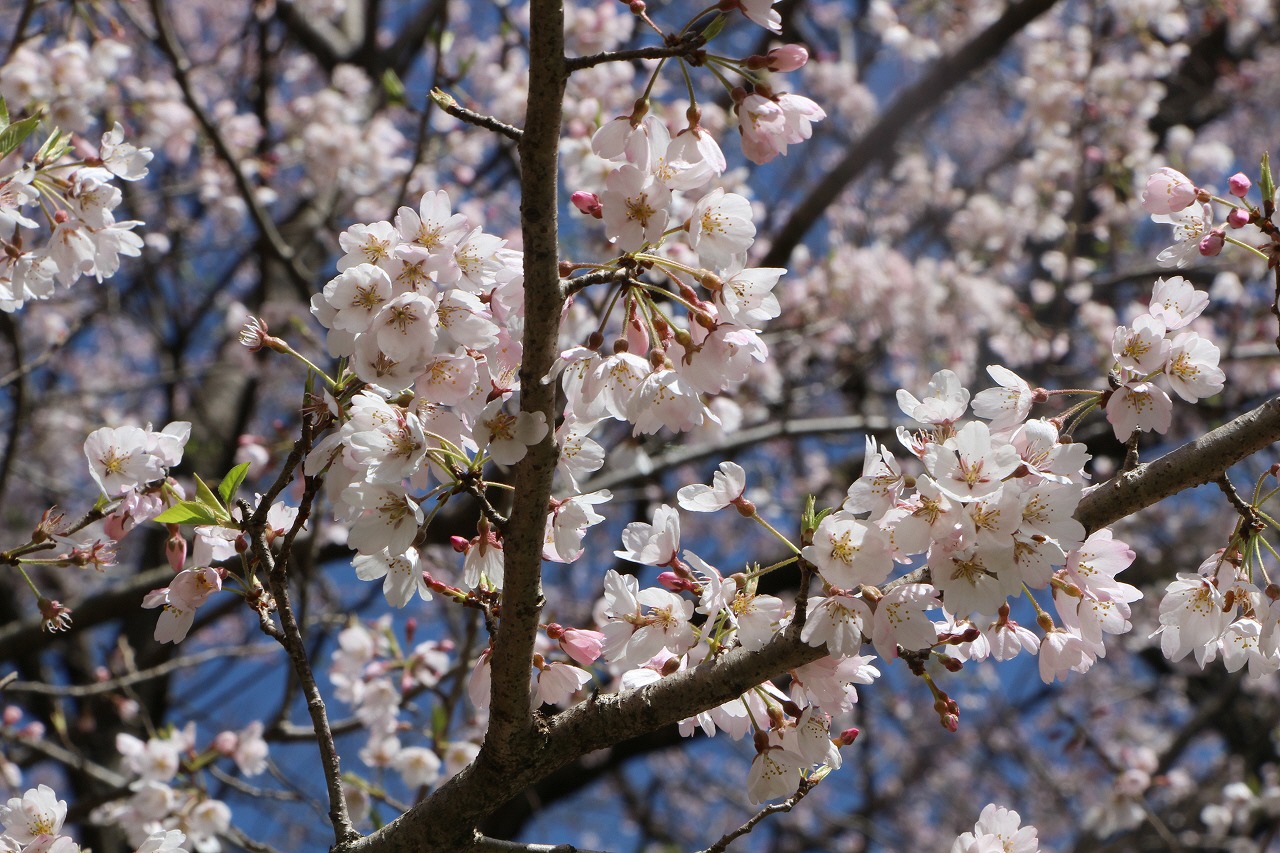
15, 134
187, 512
231, 483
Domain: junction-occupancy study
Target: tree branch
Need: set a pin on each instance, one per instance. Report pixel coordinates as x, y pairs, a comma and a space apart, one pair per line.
511, 721
786, 805
168, 42
911, 105
1195, 463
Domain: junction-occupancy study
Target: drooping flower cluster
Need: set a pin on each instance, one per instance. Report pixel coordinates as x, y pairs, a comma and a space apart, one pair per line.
373, 675
165, 801
1220, 611
33, 823
80, 198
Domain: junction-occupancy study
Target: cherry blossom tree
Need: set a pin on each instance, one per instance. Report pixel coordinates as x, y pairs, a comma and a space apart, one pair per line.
430, 423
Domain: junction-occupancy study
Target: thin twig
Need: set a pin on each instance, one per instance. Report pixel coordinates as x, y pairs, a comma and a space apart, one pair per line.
290, 635
786, 805
446, 102
181, 73
484, 844
689, 47
78, 691
70, 759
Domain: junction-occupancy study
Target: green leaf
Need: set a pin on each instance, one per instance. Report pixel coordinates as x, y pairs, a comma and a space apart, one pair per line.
206, 498
4, 114
54, 147
231, 483
713, 29
187, 512
392, 85
1266, 180
15, 134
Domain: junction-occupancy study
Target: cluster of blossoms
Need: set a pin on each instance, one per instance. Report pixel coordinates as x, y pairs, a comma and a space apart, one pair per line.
79, 197
158, 802
989, 517
1149, 348
374, 675
33, 822
1219, 610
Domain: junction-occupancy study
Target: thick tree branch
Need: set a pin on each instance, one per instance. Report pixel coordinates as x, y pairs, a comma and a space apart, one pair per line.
912, 104
1194, 464
511, 721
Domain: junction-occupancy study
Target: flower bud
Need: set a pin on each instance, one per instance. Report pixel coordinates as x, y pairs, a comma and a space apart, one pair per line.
1238, 184
1212, 243
588, 203
788, 57
847, 736
1238, 218
226, 742
675, 583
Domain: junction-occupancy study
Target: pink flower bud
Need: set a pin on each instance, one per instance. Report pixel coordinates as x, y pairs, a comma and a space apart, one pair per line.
789, 57
175, 551
12, 713
675, 583
588, 203
847, 736
460, 544
226, 742
1238, 184
1212, 243
581, 645
1238, 218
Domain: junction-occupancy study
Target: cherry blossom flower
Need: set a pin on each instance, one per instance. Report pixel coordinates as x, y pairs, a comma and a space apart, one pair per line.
1167, 191
977, 465
998, 830
1061, 652
119, 461
881, 482
1141, 406
385, 518
761, 12
1190, 226
945, 403
635, 208
1192, 367
418, 767
401, 571
356, 295
1176, 302
727, 486
1007, 405
163, 841
557, 682
666, 399
653, 544
900, 620
567, 524
506, 437
775, 772
746, 296
1141, 349
847, 551
1193, 616
840, 621
37, 812
720, 228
